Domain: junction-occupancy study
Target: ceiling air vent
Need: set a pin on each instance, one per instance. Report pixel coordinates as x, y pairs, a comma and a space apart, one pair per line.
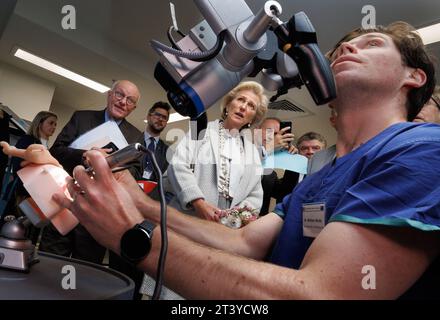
285, 105
286, 109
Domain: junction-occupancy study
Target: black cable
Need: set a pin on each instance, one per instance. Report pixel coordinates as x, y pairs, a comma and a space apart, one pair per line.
218, 46
171, 39
163, 226
181, 33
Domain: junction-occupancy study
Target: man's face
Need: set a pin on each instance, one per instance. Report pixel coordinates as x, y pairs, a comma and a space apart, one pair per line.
157, 120
269, 128
122, 100
429, 113
309, 147
370, 61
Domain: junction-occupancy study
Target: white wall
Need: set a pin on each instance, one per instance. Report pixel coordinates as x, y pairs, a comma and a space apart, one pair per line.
319, 125
24, 93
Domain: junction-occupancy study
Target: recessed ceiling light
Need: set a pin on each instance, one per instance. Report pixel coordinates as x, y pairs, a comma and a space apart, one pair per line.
430, 34
174, 117
43, 63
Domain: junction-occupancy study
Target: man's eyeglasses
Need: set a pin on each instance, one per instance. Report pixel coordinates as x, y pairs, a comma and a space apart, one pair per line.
131, 101
436, 101
159, 115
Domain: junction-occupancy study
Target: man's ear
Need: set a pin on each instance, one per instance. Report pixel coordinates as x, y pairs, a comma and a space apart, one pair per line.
415, 78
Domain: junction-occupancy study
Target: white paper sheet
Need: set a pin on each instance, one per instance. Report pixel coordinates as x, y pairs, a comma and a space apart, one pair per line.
101, 136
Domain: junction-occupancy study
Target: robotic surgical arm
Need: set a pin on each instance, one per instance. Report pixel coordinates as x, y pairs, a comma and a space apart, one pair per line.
233, 43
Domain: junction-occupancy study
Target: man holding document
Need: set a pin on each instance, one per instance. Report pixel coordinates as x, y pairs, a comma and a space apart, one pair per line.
74, 140
121, 101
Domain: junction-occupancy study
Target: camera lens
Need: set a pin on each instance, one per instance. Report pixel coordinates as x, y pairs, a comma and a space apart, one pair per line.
182, 103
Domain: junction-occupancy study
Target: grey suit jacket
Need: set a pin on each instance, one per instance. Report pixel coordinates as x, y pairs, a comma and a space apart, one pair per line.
193, 172
81, 122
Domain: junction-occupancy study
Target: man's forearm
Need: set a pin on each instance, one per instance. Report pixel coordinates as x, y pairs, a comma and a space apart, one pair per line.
246, 278
202, 231
208, 233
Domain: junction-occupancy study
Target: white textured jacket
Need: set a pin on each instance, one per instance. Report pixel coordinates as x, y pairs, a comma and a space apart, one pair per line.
192, 172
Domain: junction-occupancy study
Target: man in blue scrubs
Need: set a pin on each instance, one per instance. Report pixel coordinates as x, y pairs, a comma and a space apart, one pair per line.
364, 227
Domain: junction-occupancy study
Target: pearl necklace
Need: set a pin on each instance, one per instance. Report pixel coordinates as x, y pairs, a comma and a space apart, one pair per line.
223, 183
224, 177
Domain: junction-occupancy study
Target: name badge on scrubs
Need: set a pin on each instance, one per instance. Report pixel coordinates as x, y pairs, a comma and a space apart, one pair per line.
313, 219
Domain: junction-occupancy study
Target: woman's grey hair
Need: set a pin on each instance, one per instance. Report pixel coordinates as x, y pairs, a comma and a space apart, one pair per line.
258, 90
41, 116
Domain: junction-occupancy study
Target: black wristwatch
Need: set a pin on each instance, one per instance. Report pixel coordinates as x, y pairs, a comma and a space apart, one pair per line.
136, 242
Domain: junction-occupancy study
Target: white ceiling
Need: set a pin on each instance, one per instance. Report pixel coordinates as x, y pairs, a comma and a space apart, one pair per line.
111, 39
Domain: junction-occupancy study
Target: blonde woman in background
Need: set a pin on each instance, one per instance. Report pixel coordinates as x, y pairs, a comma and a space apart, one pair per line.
42, 128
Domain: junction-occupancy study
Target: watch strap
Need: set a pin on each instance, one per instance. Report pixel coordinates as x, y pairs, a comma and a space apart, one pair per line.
147, 226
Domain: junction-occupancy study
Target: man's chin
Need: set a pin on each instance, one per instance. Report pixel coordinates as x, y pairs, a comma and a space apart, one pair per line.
156, 130
117, 113
117, 116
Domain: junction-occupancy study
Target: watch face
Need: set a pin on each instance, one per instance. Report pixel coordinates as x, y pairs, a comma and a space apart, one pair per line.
135, 244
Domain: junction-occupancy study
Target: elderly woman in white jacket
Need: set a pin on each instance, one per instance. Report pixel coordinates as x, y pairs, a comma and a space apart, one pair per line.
223, 169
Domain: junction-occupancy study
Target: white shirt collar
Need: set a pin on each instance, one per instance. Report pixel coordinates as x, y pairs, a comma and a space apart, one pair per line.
45, 143
147, 136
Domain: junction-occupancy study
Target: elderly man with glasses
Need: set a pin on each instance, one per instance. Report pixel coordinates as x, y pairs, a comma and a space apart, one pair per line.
121, 101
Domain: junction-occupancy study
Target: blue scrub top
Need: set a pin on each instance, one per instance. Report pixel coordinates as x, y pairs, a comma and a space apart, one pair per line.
393, 179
